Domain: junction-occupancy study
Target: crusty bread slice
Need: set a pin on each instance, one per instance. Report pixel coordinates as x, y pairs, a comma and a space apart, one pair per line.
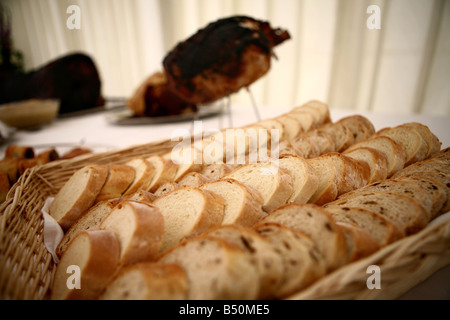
326, 172
166, 188
432, 141
273, 124
405, 212
302, 263
382, 229
340, 134
360, 243
357, 127
286, 147
216, 269
305, 118
188, 212
292, 127
118, 180
193, 179
319, 225
144, 172
142, 195
267, 262
187, 158
92, 257
432, 164
272, 182
303, 146
434, 189
78, 194
318, 109
304, 179
91, 219
215, 171
165, 171
321, 142
440, 177
139, 226
409, 188
393, 152
351, 173
148, 281
376, 161
242, 204
415, 146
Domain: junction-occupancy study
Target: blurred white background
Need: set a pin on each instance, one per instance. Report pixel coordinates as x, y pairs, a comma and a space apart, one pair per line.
403, 67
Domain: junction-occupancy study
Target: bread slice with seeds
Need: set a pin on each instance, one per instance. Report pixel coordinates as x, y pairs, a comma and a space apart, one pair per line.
215, 269
148, 281
319, 225
360, 243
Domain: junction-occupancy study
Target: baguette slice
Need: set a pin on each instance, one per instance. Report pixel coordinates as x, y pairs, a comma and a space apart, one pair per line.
141, 195
302, 263
321, 142
408, 215
393, 152
188, 212
165, 171
432, 164
144, 172
305, 118
96, 254
268, 263
216, 171
360, 244
376, 161
358, 128
326, 172
272, 182
166, 188
193, 179
292, 127
285, 147
304, 179
148, 281
433, 143
119, 179
340, 134
303, 146
442, 178
318, 224
78, 194
415, 146
216, 269
382, 229
139, 226
273, 124
91, 219
187, 158
242, 204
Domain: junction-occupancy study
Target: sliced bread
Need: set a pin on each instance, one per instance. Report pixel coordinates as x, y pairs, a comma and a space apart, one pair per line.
165, 171
148, 281
267, 261
91, 219
340, 134
415, 146
242, 204
188, 212
118, 180
144, 172
305, 118
139, 227
304, 179
393, 152
88, 264
408, 215
357, 127
166, 188
326, 172
319, 225
302, 263
78, 194
272, 182
193, 179
303, 146
216, 269
216, 171
360, 243
375, 160
292, 127
432, 141
383, 230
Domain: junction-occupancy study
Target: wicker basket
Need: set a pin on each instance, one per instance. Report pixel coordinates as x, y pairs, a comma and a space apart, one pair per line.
27, 268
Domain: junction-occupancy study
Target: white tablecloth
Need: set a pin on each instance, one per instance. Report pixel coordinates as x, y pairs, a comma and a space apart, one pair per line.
95, 132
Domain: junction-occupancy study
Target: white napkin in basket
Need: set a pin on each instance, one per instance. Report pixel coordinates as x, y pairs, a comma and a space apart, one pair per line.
53, 232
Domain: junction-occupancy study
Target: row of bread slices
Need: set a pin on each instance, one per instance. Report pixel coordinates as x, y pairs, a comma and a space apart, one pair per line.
285, 251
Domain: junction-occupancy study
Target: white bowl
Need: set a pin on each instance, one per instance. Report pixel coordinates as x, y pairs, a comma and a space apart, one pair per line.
29, 114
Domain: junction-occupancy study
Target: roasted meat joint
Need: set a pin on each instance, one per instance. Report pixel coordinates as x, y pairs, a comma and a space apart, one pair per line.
220, 59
